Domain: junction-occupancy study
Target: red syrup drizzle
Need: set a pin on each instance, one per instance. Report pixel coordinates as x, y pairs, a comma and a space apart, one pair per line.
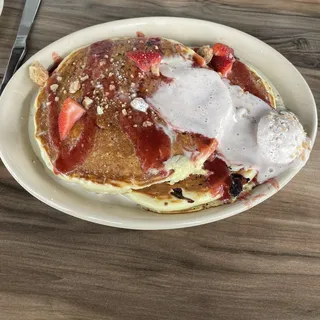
241, 75
219, 179
152, 145
205, 146
68, 158
53, 114
56, 62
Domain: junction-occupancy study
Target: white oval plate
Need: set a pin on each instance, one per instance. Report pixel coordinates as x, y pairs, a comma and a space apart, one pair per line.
20, 159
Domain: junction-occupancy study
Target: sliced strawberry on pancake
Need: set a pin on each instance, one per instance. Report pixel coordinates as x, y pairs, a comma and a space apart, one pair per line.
223, 59
222, 65
70, 113
145, 59
222, 50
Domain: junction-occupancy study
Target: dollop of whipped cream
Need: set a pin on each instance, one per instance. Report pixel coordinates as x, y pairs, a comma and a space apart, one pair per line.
251, 135
280, 137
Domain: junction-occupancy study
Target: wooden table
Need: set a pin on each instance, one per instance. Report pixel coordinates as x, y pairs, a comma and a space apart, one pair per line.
261, 264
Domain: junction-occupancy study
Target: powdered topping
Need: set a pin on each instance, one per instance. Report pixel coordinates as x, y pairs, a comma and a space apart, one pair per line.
139, 104
87, 102
74, 86
99, 110
54, 87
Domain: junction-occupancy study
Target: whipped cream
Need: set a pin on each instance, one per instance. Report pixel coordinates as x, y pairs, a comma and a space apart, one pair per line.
280, 137
261, 138
250, 133
195, 101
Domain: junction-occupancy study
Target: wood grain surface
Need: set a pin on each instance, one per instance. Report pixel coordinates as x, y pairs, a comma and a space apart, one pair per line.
261, 264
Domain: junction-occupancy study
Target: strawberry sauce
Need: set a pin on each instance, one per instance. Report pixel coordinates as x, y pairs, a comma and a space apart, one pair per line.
242, 76
56, 61
204, 144
152, 145
53, 114
69, 159
219, 179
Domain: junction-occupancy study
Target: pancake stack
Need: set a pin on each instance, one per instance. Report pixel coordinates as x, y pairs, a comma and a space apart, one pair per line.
95, 127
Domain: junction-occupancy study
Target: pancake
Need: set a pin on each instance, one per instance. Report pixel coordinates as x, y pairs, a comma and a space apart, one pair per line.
114, 148
219, 186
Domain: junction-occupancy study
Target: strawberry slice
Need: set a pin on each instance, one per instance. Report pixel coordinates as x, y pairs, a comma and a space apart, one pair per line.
223, 58
145, 59
221, 64
222, 50
70, 113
